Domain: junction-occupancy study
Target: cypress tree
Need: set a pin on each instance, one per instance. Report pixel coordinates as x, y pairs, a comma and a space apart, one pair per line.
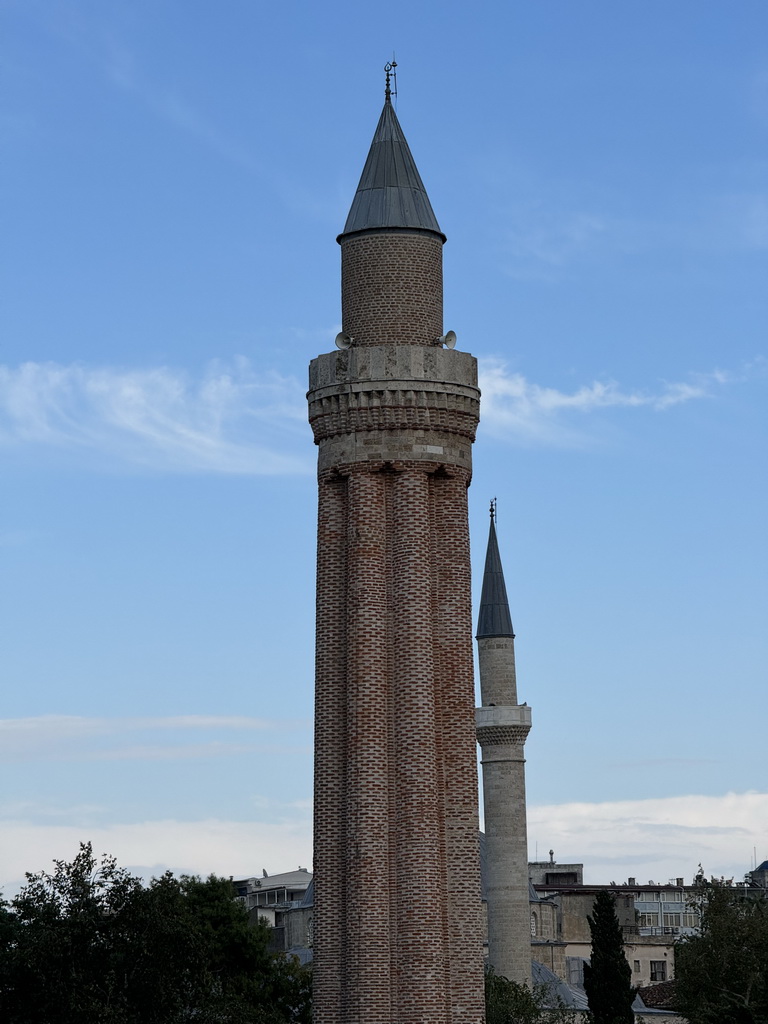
608, 978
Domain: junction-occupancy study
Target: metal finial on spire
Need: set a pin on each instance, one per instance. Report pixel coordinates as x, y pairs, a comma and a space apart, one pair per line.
494, 618
391, 74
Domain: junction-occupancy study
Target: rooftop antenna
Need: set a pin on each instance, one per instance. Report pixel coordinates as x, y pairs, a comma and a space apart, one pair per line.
391, 77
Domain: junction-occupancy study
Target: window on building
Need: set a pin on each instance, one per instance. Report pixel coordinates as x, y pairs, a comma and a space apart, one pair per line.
673, 896
672, 920
574, 966
636, 965
649, 920
658, 970
690, 920
534, 924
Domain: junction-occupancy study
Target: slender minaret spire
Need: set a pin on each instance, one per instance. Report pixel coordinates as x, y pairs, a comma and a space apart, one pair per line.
397, 930
502, 727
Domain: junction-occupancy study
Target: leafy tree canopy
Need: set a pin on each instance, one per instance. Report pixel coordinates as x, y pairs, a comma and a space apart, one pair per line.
507, 1002
90, 944
721, 974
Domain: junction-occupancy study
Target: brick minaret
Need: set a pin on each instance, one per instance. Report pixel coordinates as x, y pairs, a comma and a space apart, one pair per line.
502, 727
397, 922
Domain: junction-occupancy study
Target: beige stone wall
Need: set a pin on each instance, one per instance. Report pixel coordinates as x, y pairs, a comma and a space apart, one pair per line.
574, 908
388, 404
502, 727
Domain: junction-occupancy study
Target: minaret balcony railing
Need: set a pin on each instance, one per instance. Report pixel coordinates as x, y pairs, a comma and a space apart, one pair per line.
510, 724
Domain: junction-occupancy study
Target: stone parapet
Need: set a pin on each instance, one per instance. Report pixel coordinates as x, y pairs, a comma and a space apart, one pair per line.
356, 365
385, 403
502, 725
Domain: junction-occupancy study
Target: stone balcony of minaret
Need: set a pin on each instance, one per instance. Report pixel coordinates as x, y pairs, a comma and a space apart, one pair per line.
392, 403
497, 724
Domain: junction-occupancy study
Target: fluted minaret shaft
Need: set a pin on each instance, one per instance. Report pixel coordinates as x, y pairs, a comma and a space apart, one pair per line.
397, 935
502, 727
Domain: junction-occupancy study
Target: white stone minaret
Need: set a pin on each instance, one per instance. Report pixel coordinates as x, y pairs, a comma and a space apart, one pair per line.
502, 727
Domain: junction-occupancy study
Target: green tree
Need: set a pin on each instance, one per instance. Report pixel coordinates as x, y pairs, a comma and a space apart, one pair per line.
721, 974
607, 977
89, 944
507, 1002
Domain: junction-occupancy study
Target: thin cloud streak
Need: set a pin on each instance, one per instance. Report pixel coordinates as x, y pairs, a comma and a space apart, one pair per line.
167, 104
159, 418
544, 240
75, 738
187, 752
149, 848
654, 839
526, 413
235, 420
647, 839
77, 724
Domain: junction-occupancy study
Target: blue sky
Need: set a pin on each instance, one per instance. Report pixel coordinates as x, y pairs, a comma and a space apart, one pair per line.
173, 178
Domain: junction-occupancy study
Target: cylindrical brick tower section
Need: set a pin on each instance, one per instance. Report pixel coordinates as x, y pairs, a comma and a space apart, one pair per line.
502, 728
392, 287
398, 925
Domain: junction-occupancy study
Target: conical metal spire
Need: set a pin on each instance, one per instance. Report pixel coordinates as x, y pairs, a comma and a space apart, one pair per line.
494, 618
391, 193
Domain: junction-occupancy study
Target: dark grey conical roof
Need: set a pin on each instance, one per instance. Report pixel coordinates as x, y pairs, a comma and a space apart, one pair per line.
494, 618
391, 193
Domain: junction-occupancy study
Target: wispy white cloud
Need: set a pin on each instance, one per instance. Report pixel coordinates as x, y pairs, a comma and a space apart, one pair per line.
151, 847
169, 105
78, 724
545, 238
79, 738
229, 420
233, 419
542, 240
654, 839
527, 413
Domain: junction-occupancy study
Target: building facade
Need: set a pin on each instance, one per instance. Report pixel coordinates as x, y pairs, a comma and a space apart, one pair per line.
652, 917
397, 923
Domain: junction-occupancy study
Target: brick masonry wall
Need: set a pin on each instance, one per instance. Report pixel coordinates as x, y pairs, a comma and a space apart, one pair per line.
329, 933
453, 616
392, 288
398, 934
398, 925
